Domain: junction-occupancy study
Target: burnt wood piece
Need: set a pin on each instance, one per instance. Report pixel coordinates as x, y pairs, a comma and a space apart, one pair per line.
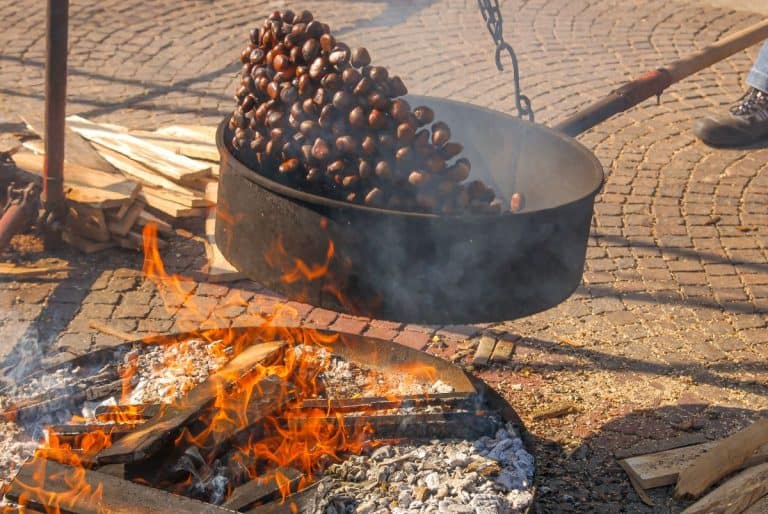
262, 489
67, 456
451, 400
90, 388
127, 412
293, 504
414, 426
270, 397
153, 434
72, 433
118, 496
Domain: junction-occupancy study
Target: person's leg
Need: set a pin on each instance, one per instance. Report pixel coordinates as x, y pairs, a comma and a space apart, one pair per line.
746, 122
758, 77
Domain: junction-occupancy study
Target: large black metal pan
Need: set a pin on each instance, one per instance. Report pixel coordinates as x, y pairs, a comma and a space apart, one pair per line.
424, 268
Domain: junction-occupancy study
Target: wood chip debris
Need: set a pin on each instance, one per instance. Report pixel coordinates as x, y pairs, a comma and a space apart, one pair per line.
557, 410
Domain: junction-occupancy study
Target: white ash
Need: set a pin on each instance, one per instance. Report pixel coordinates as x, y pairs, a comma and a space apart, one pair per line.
15, 448
165, 373
345, 379
58, 381
487, 476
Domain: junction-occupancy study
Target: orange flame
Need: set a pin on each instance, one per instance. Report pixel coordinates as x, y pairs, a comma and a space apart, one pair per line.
268, 397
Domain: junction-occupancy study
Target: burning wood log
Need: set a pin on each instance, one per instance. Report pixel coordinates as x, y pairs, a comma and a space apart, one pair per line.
263, 489
71, 433
124, 413
43, 485
145, 441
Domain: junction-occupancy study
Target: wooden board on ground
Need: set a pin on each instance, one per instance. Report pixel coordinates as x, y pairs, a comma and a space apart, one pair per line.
503, 351
172, 209
218, 268
87, 186
662, 468
40, 481
725, 457
134, 240
484, 351
200, 133
182, 146
121, 225
15, 271
87, 221
163, 227
83, 244
735, 495
173, 166
163, 186
76, 149
153, 434
656, 446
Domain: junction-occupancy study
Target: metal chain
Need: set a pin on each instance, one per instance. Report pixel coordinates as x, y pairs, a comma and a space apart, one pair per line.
492, 16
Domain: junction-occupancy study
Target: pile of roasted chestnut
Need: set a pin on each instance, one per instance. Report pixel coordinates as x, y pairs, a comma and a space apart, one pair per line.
314, 114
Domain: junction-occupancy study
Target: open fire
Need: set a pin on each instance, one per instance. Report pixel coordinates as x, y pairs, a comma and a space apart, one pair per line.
272, 417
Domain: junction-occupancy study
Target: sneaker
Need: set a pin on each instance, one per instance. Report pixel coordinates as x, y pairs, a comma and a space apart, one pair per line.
746, 123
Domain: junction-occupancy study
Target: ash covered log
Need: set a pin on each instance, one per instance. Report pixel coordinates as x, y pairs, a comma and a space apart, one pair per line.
461, 425
68, 397
43, 485
151, 436
451, 400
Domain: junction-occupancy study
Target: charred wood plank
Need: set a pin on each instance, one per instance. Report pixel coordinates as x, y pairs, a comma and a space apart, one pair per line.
153, 434
303, 501
411, 426
61, 398
126, 413
72, 434
449, 400
264, 489
43, 485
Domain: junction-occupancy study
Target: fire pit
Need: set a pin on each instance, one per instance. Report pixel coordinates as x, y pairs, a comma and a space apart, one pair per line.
278, 420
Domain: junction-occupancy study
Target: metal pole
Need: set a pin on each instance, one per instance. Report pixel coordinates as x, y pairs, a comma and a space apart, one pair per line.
57, 22
654, 82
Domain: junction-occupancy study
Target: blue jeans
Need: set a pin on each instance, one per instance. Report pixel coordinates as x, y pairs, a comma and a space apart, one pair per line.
758, 77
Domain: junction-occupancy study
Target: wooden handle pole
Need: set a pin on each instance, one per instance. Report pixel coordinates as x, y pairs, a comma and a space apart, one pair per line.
654, 82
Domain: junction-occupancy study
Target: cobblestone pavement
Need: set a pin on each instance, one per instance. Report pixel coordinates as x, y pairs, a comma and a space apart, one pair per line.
667, 332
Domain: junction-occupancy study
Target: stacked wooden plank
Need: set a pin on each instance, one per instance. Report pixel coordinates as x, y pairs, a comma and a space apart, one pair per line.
172, 183
738, 464
118, 180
